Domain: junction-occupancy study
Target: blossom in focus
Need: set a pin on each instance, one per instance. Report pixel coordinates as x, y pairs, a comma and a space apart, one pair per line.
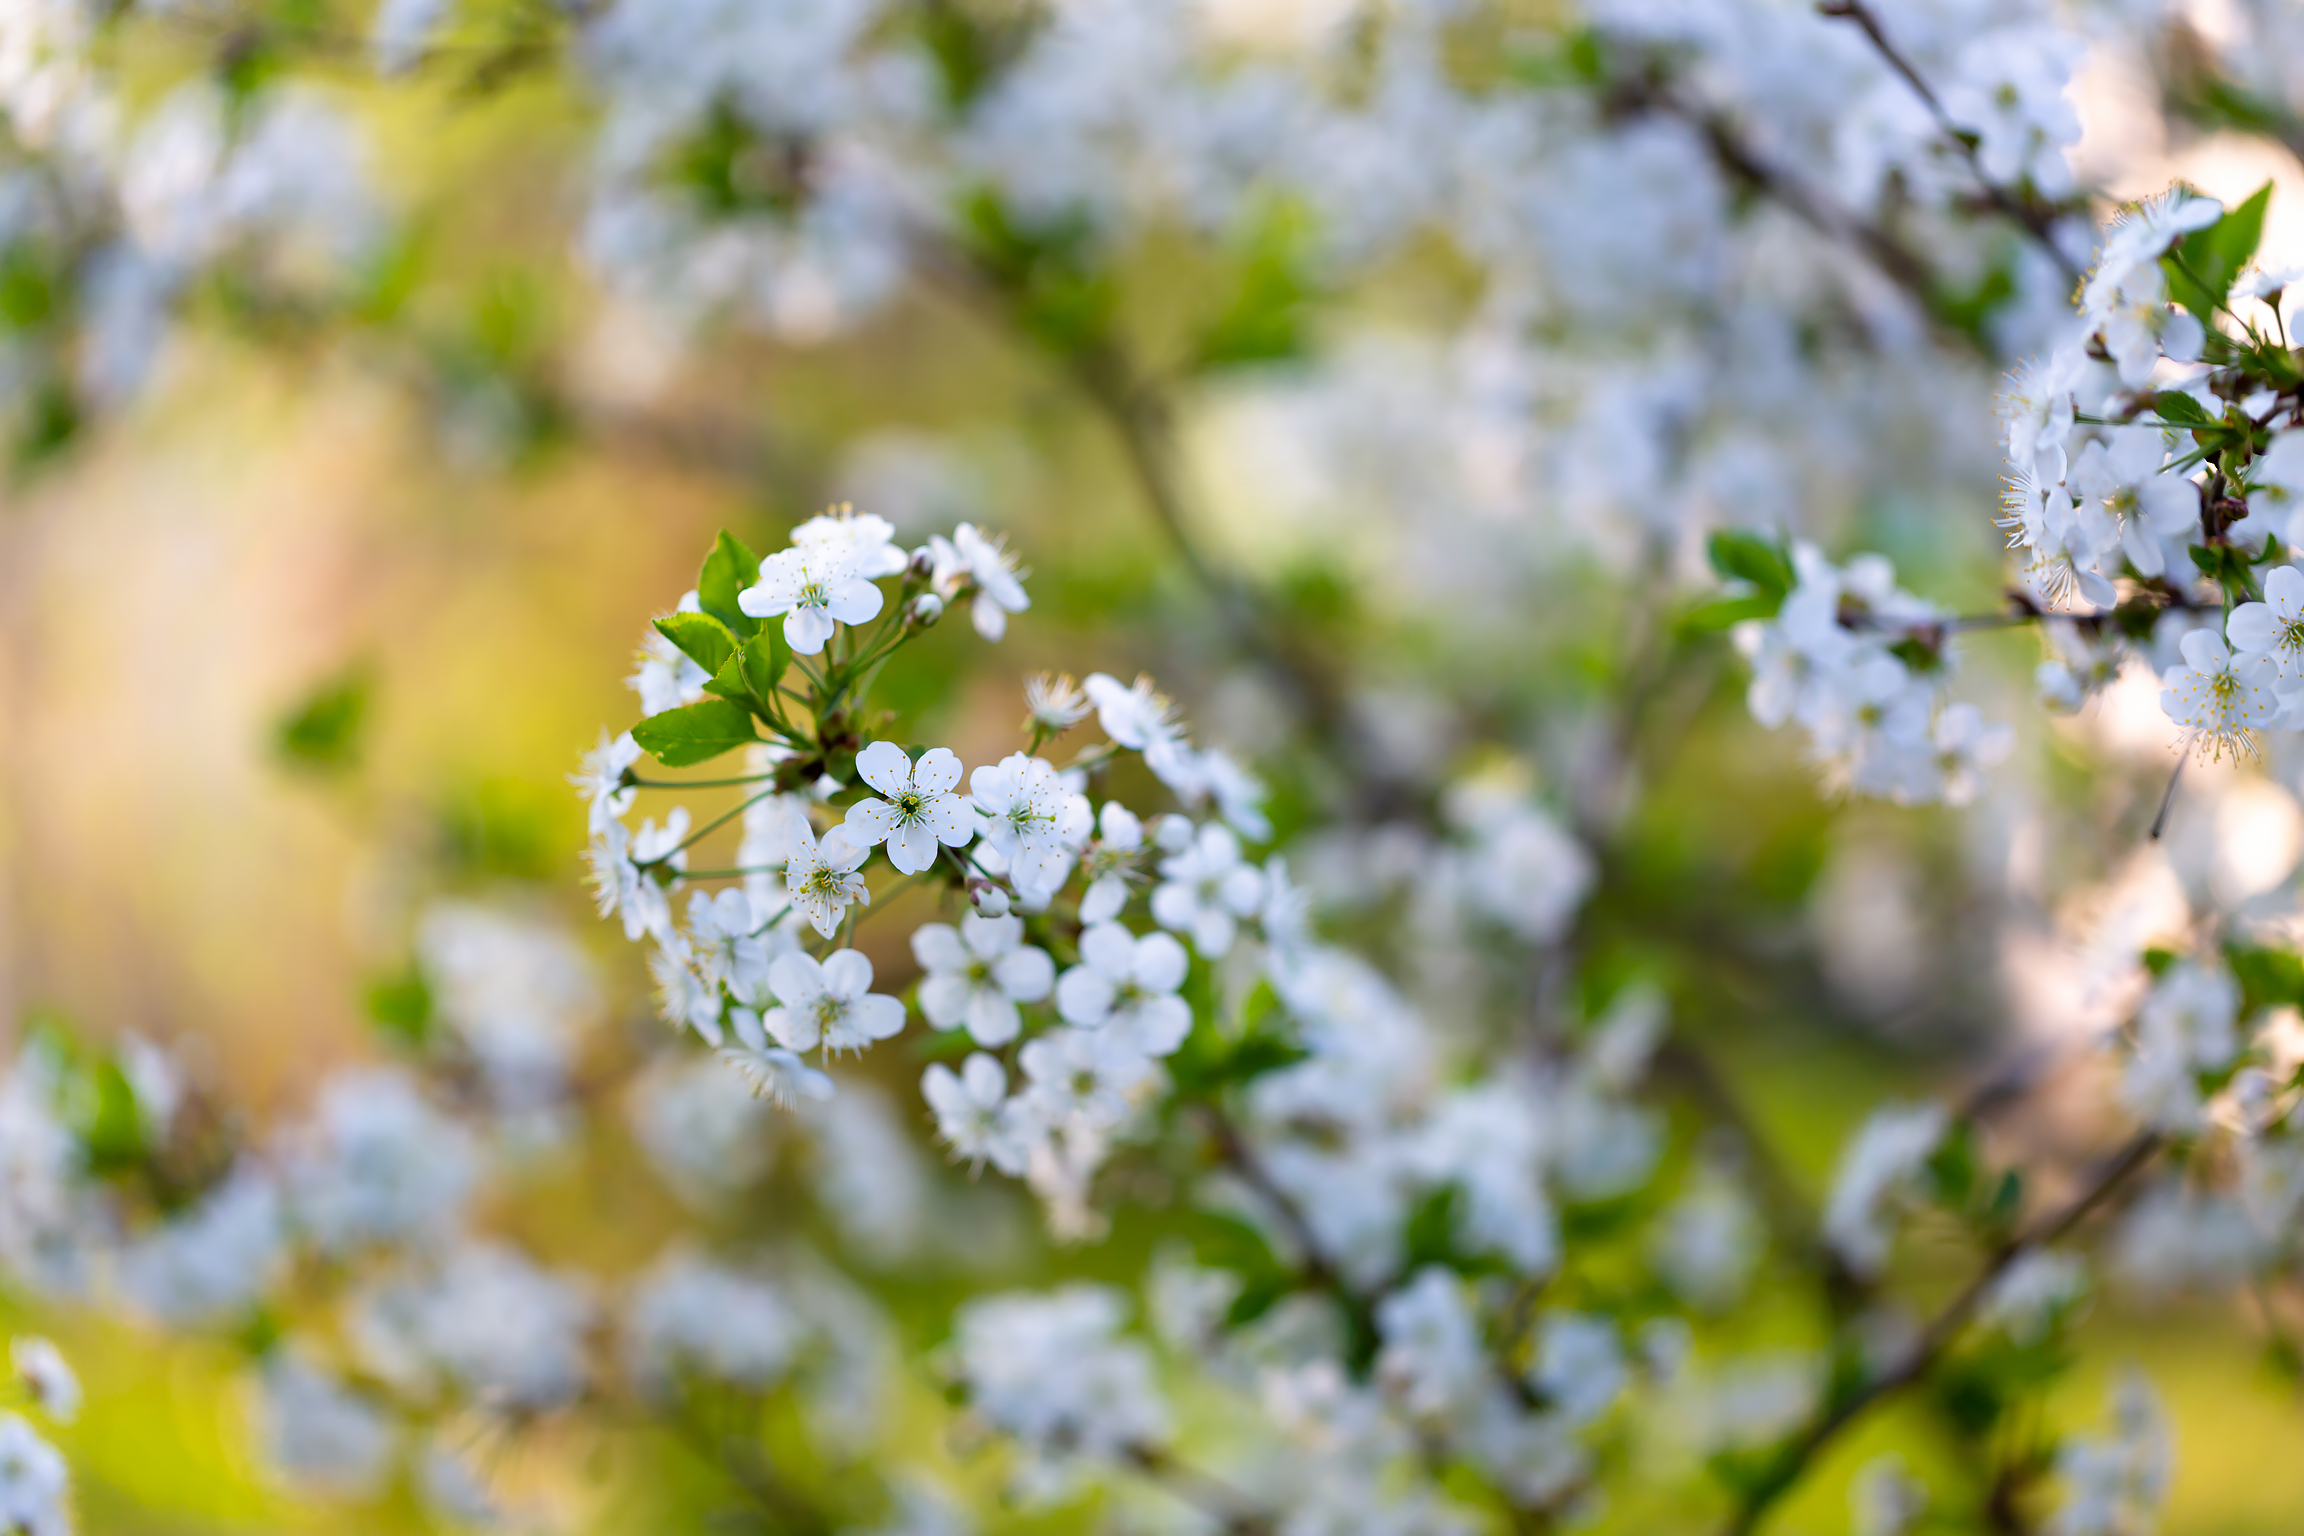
2220, 701
821, 878
2272, 631
920, 810
1027, 820
816, 587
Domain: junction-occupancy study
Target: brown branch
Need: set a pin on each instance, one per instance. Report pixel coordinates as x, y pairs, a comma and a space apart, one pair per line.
2028, 212
1921, 1356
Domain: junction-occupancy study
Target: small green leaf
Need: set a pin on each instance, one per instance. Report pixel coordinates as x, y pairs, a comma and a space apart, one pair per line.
401, 1006
2201, 268
322, 732
1747, 557
113, 1126
1727, 613
728, 570
695, 733
2267, 977
2174, 405
763, 659
702, 638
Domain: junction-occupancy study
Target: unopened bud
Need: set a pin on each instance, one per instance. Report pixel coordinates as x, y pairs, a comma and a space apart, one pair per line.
927, 608
922, 566
987, 898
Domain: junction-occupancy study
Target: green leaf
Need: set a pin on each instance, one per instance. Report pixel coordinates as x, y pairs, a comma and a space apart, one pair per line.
702, 638
763, 659
401, 1006
2267, 977
2174, 405
728, 570
1272, 284
1765, 563
2201, 268
322, 732
112, 1126
695, 733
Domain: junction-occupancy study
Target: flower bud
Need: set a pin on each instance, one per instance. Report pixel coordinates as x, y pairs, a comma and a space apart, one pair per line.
927, 608
923, 565
987, 898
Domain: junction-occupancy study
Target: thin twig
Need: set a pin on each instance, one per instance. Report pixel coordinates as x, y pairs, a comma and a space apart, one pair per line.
2168, 798
2027, 212
1937, 1336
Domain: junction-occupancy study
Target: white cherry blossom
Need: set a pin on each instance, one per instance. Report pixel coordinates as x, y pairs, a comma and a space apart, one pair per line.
816, 587
979, 562
829, 1003
2220, 702
1128, 983
975, 1116
821, 877
606, 795
1028, 821
1206, 890
920, 810
2273, 630
1083, 1076
978, 973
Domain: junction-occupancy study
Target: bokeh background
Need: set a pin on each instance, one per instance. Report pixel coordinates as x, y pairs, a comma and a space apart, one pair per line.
458, 564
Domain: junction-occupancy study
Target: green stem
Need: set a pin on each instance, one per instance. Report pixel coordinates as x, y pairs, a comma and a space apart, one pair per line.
714, 825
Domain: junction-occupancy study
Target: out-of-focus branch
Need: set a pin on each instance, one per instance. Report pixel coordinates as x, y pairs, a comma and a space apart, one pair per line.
1923, 1353
1232, 1510
2034, 216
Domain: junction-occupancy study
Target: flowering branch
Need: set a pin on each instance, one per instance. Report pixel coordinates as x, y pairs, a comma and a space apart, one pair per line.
1922, 1354
2036, 219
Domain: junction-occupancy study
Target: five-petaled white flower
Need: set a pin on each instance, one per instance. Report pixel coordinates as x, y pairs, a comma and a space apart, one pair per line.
1027, 820
1207, 890
975, 1115
821, 877
978, 973
921, 810
1083, 1074
1128, 983
814, 586
979, 562
2221, 702
829, 1003
2273, 630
